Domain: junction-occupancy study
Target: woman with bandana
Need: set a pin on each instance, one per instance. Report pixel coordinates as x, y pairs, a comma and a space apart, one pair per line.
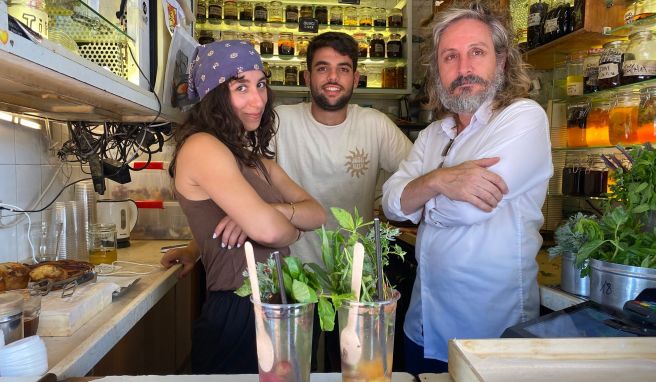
231, 190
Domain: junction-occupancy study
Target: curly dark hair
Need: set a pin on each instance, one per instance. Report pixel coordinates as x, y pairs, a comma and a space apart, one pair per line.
214, 115
517, 82
339, 41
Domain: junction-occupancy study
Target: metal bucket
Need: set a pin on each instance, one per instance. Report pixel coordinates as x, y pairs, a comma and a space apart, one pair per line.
570, 277
614, 284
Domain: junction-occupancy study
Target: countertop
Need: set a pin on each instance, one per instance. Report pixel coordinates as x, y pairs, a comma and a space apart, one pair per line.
74, 356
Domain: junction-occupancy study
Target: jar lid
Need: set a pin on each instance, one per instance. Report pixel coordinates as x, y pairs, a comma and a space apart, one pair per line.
648, 89
614, 44
10, 303
395, 36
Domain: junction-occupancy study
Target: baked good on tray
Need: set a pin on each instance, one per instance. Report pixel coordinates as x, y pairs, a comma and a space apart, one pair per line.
13, 276
59, 270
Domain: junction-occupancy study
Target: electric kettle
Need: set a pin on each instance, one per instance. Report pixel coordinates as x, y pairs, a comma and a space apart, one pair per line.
122, 213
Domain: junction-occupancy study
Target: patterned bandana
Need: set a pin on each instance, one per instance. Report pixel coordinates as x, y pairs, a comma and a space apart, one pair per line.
217, 62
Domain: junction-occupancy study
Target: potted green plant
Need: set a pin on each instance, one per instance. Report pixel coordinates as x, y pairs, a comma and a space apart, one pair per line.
621, 245
568, 244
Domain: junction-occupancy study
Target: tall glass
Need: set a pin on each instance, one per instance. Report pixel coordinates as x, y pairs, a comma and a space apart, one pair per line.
374, 329
289, 327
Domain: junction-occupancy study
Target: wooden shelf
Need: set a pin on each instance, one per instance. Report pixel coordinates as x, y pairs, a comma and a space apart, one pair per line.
598, 20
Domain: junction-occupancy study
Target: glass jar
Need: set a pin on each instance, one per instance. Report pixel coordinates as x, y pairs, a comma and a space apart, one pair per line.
362, 82
302, 43
266, 43
275, 12
321, 14
577, 113
389, 77
591, 70
301, 74
336, 15
377, 46
623, 127
536, 16
306, 11
245, 11
205, 37
291, 14
350, 16
574, 80
610, 64
647, 115
640, 58
229, 35
363, 44
394, 46
102, 243
365, 17
286, 44
201, 11
374, 75
277, 75
291, 75
400, 76
395, 18
596, 126
380, 17
250, 37
267, 71
573, 177
215, 10
260, 13
595, 177
230, 10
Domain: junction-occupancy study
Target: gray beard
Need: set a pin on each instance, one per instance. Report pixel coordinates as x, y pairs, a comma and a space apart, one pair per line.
467, 103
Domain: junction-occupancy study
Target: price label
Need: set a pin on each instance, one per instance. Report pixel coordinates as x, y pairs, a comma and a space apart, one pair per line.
308, 24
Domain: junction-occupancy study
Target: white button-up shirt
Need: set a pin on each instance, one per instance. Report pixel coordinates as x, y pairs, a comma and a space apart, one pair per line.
477, 271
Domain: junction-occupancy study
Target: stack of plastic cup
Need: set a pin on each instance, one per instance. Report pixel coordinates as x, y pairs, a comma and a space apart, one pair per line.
24, 358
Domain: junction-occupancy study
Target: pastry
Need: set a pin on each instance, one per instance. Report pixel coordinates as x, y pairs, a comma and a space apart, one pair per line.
13, 276
48, 272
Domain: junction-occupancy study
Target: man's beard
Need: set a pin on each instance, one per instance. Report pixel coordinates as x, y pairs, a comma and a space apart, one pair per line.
466, 102
323, 103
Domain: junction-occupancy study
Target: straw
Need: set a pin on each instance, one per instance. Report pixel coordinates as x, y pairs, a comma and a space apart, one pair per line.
379, 291
283, 298
281, 283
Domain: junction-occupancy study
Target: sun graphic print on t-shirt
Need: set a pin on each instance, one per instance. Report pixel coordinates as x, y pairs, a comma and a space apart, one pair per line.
357, 163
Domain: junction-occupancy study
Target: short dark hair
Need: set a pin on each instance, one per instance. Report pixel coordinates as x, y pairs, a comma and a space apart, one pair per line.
339, 41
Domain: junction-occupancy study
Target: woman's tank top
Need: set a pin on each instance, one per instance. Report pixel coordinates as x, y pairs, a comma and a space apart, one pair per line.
225, 267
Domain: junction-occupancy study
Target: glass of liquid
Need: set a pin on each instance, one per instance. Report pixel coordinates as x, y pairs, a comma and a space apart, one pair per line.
102, 243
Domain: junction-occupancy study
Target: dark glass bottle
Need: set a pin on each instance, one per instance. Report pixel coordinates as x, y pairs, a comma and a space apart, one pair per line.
261, 13
377, 46
291, 14
610, 64
321, 14
537, 15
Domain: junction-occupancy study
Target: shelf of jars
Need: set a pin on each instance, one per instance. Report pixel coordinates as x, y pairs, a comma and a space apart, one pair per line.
596, 27
379, 26
259, 27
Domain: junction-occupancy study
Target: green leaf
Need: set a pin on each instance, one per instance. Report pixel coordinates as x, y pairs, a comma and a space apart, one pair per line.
640, 209
344, 218
326, 252
245, 289
293, 265
301, 292
322, 276
326, 314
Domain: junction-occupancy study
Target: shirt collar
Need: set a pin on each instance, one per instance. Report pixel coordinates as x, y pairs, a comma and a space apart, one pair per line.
481, 117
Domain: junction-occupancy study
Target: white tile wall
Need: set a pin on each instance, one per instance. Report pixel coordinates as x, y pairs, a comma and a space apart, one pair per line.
26, 167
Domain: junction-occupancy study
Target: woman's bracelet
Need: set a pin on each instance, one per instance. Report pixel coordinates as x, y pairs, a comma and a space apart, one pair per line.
293, 211
299, 234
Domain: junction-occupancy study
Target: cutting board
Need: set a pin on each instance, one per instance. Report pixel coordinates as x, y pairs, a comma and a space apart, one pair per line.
61, 317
